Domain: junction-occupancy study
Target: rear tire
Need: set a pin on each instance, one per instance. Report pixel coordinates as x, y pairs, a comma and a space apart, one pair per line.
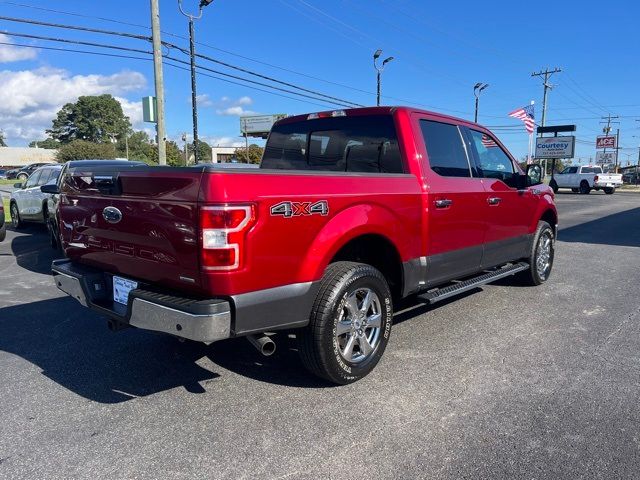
541, 256
585, 189
350, 323
575, 190
22, 177
609, 190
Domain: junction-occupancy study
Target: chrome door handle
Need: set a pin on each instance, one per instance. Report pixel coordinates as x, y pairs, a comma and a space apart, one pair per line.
444, 203
494, 200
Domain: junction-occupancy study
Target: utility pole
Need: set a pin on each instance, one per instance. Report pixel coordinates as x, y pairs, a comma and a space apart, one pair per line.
606, 131
159, 81
547, 86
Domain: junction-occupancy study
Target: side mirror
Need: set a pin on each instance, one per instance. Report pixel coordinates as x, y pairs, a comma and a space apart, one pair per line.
51, 188
17, 185
534, 174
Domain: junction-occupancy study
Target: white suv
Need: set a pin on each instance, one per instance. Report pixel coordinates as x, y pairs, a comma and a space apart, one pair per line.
28, 203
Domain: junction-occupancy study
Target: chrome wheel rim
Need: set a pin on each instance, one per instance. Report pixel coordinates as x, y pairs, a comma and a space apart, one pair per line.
543, 259
14, 216
357, 332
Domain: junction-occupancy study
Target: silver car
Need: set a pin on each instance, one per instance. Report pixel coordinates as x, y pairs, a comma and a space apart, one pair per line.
28, 203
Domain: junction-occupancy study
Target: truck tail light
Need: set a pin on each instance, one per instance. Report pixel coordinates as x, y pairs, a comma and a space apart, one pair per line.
223, 235
595, 179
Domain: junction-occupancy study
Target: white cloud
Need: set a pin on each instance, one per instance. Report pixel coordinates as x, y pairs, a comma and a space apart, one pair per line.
133, 110
30, 99
223, 142
245, 101
203, 100
9, 53
237, 111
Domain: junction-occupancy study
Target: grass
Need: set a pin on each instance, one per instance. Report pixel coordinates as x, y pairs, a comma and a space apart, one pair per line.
7, 215
4, 181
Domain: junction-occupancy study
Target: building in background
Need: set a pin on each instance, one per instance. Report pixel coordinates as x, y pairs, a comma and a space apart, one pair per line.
222, 154
12, 157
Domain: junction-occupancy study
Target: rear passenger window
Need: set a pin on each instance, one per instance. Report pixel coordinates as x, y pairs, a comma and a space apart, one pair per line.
45, 176
365, 143
447, 156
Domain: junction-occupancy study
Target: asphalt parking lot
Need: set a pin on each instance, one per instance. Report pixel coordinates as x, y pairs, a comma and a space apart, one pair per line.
504, 382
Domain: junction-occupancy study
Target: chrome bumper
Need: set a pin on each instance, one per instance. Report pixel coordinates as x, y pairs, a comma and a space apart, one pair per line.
202, 321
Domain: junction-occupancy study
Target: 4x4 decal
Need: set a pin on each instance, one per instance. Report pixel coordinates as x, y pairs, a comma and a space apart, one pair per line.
296, 209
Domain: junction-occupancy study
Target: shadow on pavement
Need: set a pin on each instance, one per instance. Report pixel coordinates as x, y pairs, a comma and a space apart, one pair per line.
32, 249
73, 347
621, 229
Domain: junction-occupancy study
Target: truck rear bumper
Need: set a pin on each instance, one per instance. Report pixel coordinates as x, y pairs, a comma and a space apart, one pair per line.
200, 320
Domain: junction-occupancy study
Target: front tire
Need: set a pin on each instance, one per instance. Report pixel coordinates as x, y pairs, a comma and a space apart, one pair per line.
541, 256
16, 221
350, 323
609, 190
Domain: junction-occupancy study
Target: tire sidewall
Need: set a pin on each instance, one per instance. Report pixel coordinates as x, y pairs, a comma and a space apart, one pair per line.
363, 277
543, 228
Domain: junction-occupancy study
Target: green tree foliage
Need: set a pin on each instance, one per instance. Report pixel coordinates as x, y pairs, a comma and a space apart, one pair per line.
97, 119
83, 150
140, 148
2, 142
204, 151
255, 154
48, 143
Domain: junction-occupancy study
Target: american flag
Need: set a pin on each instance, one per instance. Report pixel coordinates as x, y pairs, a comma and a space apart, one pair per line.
487, 141
526, 115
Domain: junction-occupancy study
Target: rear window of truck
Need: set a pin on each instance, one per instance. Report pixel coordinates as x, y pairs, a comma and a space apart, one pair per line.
336, 144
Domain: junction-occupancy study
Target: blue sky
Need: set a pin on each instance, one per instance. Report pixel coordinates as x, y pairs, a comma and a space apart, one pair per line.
441, 50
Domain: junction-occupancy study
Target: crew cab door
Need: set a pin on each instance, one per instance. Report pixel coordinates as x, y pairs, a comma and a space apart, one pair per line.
509, 211
24, 198
455, 224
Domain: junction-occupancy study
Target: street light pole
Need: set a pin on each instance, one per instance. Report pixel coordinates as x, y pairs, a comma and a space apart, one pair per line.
379, 70
192, 54
477, 89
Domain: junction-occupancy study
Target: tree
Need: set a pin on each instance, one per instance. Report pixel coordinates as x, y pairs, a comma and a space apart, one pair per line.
140, 147
204, 151
48, 143
2, 142
83, 150
255, 154
97, 119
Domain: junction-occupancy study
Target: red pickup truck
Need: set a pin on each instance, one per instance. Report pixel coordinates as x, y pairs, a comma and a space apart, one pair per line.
349, 211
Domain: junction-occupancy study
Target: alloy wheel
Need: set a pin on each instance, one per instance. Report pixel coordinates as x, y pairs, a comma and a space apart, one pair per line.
358, 329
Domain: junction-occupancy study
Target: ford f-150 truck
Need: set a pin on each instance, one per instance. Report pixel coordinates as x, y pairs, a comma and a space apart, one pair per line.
350, 211
585, 178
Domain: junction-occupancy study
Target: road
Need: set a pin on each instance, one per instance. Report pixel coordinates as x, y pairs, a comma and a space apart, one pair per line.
504, 382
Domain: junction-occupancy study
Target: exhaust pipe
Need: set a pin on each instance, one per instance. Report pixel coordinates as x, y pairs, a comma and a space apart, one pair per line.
263, 344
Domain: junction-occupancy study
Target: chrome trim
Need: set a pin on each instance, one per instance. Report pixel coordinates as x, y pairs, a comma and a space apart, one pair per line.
202, 328
71, 286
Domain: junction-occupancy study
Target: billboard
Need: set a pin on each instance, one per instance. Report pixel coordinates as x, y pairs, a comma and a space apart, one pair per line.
555, 147
259, 125
605, 141
606, 157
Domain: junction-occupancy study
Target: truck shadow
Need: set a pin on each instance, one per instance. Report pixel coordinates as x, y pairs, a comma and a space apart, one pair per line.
31, 247
619, 229
73, 348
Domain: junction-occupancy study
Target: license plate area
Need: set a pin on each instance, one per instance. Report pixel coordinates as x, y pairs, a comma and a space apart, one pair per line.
121, 289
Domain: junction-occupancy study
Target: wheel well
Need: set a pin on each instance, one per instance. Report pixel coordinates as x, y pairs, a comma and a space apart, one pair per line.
550, 217
377, 251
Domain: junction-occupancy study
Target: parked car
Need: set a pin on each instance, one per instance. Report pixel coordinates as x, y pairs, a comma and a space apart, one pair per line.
28, 203
11, 174
583, 179
3, 174
631, 177
349, 211
52, 190
23, 173
3, 226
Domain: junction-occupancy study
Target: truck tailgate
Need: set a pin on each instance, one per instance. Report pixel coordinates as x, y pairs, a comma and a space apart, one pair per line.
141, 223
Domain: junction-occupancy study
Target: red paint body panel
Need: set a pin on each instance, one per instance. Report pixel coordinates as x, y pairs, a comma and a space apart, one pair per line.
158, 239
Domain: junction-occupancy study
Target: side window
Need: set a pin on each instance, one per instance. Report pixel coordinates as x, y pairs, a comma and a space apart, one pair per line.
447, 156
32, 181
493, 162
44, 176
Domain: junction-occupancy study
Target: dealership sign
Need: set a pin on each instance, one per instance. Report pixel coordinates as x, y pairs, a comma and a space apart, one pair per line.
555, 147
606, 157
604, 141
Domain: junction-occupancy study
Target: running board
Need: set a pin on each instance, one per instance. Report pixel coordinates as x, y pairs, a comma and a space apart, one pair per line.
437, 294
